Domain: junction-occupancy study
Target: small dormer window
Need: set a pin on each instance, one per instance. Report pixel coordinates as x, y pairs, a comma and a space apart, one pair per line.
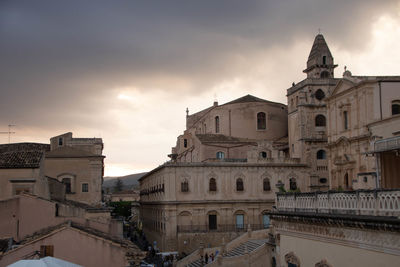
60, 141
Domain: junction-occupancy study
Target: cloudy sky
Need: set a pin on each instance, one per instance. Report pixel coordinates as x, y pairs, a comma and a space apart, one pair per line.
125, 71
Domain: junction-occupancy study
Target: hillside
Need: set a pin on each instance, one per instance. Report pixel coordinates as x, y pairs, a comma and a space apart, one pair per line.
130, 181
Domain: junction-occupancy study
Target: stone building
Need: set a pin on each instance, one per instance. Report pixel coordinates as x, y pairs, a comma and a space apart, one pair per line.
79, 164
346, 129
222, 178
22, 170
364, 132
335, 133
307, 113
358, 228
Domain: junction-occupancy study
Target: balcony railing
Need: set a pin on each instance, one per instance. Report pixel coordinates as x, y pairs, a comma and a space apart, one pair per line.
360, 202
219, 228
387, 144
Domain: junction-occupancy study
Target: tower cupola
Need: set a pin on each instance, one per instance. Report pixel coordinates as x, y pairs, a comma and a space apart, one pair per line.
320, 61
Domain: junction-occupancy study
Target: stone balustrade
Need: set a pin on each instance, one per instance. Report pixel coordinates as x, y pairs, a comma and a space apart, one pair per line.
387, 144
360, 202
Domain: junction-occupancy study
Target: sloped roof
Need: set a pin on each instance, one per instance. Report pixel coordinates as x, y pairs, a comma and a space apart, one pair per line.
69, 152
22, 155
75, 226
319, 47
220, 138
250, 98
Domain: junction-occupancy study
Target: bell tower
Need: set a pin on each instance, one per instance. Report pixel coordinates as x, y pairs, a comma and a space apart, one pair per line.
320, 63
307, 114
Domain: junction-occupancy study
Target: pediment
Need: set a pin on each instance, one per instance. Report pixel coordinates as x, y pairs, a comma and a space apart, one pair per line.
342, 86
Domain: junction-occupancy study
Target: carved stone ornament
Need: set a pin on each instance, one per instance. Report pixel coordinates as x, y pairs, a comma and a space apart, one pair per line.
291, 258
323, 263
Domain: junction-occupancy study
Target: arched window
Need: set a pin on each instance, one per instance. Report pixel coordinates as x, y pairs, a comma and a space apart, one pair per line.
320, 120
321, 154
292, 184
324, 74
319, 94
263, 154
261, 121
266, 185
213, 185
395, 107
67, 183
239, 184
216, 124
220, 155
185, 186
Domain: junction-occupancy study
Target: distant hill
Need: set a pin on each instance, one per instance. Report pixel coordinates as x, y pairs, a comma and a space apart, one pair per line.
130, 181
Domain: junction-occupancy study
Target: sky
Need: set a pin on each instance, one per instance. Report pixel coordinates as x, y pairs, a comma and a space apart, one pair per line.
126, 71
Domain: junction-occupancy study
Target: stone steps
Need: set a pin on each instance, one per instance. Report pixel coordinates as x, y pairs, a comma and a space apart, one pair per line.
240, 250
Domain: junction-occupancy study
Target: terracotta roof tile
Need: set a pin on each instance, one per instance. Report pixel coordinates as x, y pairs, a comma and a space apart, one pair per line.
22, 155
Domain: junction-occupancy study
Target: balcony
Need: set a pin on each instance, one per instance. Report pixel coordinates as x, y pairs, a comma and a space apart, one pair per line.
387, 144
360, 202
219, 228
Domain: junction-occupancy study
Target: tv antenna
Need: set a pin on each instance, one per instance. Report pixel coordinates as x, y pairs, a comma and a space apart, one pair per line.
9, 132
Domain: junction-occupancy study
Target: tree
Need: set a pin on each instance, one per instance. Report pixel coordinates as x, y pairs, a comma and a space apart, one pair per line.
118, 185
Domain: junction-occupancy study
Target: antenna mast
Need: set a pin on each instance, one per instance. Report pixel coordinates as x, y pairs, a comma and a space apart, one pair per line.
9, 132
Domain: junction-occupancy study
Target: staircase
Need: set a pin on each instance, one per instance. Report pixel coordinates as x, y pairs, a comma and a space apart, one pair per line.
249, 245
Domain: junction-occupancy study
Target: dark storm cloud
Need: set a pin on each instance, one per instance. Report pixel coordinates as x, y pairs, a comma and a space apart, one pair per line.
59, 59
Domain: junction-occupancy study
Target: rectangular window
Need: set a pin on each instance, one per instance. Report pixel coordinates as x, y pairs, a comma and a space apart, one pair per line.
239, 221
345, 120
266, 221
85, 187
60, 141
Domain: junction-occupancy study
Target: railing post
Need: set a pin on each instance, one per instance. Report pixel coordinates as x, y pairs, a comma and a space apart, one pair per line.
376, 209
316, 202
328, 202
358, 208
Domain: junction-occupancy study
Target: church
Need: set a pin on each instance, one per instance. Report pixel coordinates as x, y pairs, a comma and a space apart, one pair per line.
231, 160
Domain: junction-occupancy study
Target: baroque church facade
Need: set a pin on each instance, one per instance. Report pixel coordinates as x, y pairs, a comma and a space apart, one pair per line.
232, 159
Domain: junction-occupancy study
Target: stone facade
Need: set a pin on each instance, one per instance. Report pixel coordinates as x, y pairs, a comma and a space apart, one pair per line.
222, 178
244, 141
360, 113
336, 227
79, 164
22, 170
307, 113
